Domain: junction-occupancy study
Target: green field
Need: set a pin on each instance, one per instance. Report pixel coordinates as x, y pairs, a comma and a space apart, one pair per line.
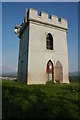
57, 101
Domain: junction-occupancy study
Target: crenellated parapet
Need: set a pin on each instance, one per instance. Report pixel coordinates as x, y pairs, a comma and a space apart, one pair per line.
44, 19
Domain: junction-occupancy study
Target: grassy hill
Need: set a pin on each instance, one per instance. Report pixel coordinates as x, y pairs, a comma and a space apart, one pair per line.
58, 101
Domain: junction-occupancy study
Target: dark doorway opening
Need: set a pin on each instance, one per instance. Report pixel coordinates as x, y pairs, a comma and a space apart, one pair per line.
50, 71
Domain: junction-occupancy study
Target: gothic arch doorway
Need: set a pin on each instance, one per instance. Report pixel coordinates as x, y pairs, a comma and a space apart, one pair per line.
58, 72
50, 71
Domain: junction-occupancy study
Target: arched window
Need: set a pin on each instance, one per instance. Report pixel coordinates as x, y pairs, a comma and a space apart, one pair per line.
49, 42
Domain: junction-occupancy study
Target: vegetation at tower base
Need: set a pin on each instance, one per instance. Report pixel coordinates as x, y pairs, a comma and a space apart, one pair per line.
58, 101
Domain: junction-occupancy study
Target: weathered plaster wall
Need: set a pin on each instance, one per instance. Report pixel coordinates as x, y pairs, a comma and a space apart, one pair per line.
23, 56
39, 55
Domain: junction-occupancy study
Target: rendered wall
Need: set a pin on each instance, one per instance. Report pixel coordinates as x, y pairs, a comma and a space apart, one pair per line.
39, 55
23, 56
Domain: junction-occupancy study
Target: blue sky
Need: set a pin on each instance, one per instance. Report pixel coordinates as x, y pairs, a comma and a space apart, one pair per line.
14, 13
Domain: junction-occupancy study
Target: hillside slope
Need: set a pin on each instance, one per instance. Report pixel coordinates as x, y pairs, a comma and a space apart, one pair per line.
58, 101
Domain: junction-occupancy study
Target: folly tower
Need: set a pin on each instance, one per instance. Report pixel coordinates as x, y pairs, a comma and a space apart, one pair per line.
43, 53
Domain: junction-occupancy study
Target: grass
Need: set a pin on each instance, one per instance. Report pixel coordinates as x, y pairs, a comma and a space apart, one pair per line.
57, 101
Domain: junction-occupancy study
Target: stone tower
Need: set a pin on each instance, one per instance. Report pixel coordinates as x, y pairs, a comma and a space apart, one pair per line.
43, 53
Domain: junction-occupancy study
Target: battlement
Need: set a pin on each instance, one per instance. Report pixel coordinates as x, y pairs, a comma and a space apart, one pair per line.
44, 19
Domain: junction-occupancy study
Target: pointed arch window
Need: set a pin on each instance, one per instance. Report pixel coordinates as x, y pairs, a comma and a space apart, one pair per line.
49, 42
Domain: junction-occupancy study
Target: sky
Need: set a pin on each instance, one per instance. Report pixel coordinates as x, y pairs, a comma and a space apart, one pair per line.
14, 13
40, 0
